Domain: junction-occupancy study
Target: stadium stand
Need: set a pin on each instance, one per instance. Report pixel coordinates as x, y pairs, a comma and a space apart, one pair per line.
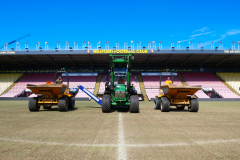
41, 78
233, 79
151, 84
31, 78
6, 80
208, 80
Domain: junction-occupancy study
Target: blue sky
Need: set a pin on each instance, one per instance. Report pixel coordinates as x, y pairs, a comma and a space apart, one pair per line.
120, 21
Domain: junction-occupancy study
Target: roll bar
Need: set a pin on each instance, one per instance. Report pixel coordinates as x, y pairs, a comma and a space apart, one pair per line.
62, 72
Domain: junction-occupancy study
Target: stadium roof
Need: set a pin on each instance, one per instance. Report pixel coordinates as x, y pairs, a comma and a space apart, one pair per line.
142, 58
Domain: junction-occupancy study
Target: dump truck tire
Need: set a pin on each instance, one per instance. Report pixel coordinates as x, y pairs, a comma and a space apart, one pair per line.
106, 104
71, 103
134, 104
157, 103
33, 105
194, 106
165, 105
47, 107
63, 104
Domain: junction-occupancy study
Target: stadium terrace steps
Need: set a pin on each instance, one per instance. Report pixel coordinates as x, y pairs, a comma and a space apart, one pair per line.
208, 80
8, 81
142, 87
97, 86
231, 80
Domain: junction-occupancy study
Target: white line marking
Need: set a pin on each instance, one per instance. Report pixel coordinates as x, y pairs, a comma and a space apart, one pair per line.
58, 143
122, 154
121, 146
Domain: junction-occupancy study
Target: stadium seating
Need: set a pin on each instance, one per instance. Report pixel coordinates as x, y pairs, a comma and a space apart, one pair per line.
151, 84
233, 79
6, 80
208, 80
41, 78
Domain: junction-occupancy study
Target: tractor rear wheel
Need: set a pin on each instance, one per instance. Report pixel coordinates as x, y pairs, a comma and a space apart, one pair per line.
165, 105
157, 103
71, 102
33, 104
63, 104
134, 104
194, 106
106, 103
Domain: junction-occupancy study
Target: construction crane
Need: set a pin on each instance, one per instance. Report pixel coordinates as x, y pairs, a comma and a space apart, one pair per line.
18, 39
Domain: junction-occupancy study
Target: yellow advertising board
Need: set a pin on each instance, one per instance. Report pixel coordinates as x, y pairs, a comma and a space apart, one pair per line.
120, 51
7, 52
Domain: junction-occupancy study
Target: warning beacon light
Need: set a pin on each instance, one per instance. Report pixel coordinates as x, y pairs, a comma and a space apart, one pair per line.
62, 69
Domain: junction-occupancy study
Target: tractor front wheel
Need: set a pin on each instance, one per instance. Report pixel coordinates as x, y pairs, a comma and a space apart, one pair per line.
33, 104
134, 104
106, 103
165, 105
157, 103
63, 104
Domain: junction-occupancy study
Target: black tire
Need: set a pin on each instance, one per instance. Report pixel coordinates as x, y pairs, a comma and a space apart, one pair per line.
194, 106
134, 104
71, 102
47, 107
63, 104
165, 105
33, 104
106, 103
157, 103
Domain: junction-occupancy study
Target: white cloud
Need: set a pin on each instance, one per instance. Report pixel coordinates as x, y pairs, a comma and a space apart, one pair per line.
201, 30
228, 33
200, 34
233, 32
187, 40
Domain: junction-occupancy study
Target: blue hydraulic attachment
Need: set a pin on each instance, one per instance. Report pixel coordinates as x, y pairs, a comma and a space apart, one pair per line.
90, 94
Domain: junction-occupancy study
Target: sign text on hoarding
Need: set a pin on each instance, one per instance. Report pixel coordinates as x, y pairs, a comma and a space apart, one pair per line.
120, 51
7, 52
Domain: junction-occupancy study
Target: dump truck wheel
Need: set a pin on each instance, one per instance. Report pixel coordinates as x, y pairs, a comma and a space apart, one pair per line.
47, 107
106, 103
157, 103
194, 106
63, 104
71, 103
134, 104
33, 104
165, 105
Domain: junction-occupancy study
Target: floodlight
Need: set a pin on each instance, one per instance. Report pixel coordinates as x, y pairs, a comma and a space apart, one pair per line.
233, 42
84, 42
220, 42
131, 41
153, 41
58, 42
107, 42
160, 41
46, 42
67, 42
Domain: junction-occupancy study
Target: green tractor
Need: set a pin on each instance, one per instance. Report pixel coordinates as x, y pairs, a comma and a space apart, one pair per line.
118, 91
